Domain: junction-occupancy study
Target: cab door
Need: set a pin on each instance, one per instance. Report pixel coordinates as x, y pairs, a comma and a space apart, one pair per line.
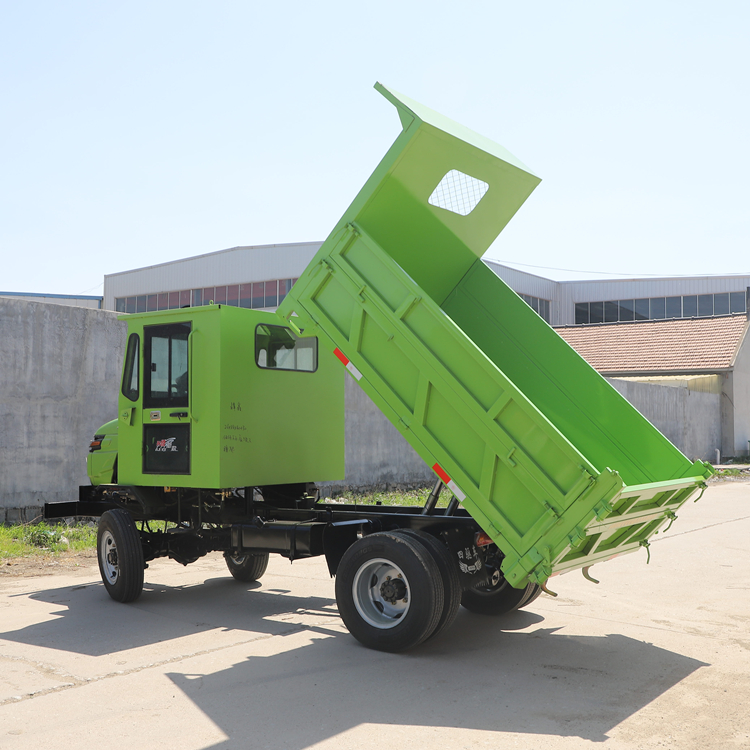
166, 423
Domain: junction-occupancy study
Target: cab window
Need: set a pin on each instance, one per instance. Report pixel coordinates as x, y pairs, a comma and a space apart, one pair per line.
130, 384
165, 371
277, 348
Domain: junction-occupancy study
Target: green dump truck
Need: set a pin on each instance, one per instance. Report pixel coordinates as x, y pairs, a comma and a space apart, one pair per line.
228, 417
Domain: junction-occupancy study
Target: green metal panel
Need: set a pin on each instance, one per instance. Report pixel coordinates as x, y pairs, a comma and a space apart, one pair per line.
552, 462
248, 425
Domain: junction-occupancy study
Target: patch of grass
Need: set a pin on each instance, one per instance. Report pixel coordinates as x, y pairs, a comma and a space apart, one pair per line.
44, 539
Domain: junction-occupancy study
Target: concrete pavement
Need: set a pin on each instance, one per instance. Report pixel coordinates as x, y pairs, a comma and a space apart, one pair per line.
655, 656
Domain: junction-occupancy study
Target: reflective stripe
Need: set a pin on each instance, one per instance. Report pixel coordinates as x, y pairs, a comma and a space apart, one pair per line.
449, 483
453, 487
344, 359
441, 473
354, 371
349, 366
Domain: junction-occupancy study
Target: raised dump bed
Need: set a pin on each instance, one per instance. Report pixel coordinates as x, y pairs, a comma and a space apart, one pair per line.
557, 467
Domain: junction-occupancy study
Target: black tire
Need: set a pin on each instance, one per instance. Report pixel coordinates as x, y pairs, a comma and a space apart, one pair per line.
533, 592
449, 574
247, 568
120, 556
497, 596
389, 591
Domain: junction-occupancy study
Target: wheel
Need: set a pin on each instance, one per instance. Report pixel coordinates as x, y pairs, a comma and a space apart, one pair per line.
497, 596
533, 592
247, 568
120, 556
389, 591
449, 574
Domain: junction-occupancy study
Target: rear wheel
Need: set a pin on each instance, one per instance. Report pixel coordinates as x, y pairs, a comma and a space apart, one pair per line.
448, 573
247, 568
533, 592
389, 591
120, 556
497, 596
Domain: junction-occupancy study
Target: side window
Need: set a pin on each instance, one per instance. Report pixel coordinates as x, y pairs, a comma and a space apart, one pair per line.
165, 369
277, 348
130, 384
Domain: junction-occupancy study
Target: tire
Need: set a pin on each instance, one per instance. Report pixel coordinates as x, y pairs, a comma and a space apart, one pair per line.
533, 592
120, 556
497, 596
389, 591
247, 568
448, 573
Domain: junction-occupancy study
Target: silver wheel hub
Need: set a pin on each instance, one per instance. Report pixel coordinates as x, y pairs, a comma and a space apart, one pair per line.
108, 557
381, 593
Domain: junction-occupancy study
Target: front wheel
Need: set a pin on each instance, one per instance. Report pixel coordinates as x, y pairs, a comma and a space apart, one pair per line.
120, 556
247, 568
389, 591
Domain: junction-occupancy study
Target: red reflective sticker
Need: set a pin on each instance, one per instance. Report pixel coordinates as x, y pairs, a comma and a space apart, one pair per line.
439, 471
344, 359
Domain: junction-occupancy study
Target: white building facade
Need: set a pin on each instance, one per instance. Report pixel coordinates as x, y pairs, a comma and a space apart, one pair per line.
260, 277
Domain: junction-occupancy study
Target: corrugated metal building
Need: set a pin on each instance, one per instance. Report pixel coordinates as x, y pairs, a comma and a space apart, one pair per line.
260, 276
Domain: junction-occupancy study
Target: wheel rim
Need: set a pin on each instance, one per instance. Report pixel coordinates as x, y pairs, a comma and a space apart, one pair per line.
495, 582
381, 593
108, 557
237, 559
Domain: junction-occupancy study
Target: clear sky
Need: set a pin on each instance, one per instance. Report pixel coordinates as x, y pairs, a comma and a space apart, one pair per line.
141, 133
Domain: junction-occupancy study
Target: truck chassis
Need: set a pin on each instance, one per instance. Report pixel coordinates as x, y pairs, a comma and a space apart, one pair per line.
401, 573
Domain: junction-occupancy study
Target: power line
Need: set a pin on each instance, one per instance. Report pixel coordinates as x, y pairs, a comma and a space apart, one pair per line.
614, 273
101, 283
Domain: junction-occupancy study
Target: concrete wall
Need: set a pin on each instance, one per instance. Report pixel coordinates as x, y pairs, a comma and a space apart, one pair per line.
690, 419
59, 379
377, 455
740, 401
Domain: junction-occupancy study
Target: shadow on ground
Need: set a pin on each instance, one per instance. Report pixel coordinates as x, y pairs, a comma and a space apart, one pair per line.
493, 674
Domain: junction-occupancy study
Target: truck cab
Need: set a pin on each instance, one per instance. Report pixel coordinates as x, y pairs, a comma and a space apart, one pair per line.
219, 397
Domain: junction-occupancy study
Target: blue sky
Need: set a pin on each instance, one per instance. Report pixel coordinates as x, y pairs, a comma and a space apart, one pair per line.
140, 133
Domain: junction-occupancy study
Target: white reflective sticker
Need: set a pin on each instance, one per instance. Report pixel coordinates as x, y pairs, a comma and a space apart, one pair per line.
453, 487
354, 371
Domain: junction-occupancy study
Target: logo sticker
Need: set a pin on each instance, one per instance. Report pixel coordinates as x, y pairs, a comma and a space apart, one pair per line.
166, 445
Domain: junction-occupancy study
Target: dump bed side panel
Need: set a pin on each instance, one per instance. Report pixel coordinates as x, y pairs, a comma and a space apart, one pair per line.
516, 474
602, 425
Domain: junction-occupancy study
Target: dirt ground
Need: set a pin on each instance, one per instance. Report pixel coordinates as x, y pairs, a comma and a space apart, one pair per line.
47, 564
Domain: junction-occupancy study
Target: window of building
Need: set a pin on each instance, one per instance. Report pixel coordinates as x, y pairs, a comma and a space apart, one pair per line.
256, 295
721, 304
736, 302
596, 312
659, 308
627, 309
705, 305
540, 306
674, 307
611, 312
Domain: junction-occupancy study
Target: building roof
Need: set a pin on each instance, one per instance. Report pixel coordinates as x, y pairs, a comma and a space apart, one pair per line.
686, 345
